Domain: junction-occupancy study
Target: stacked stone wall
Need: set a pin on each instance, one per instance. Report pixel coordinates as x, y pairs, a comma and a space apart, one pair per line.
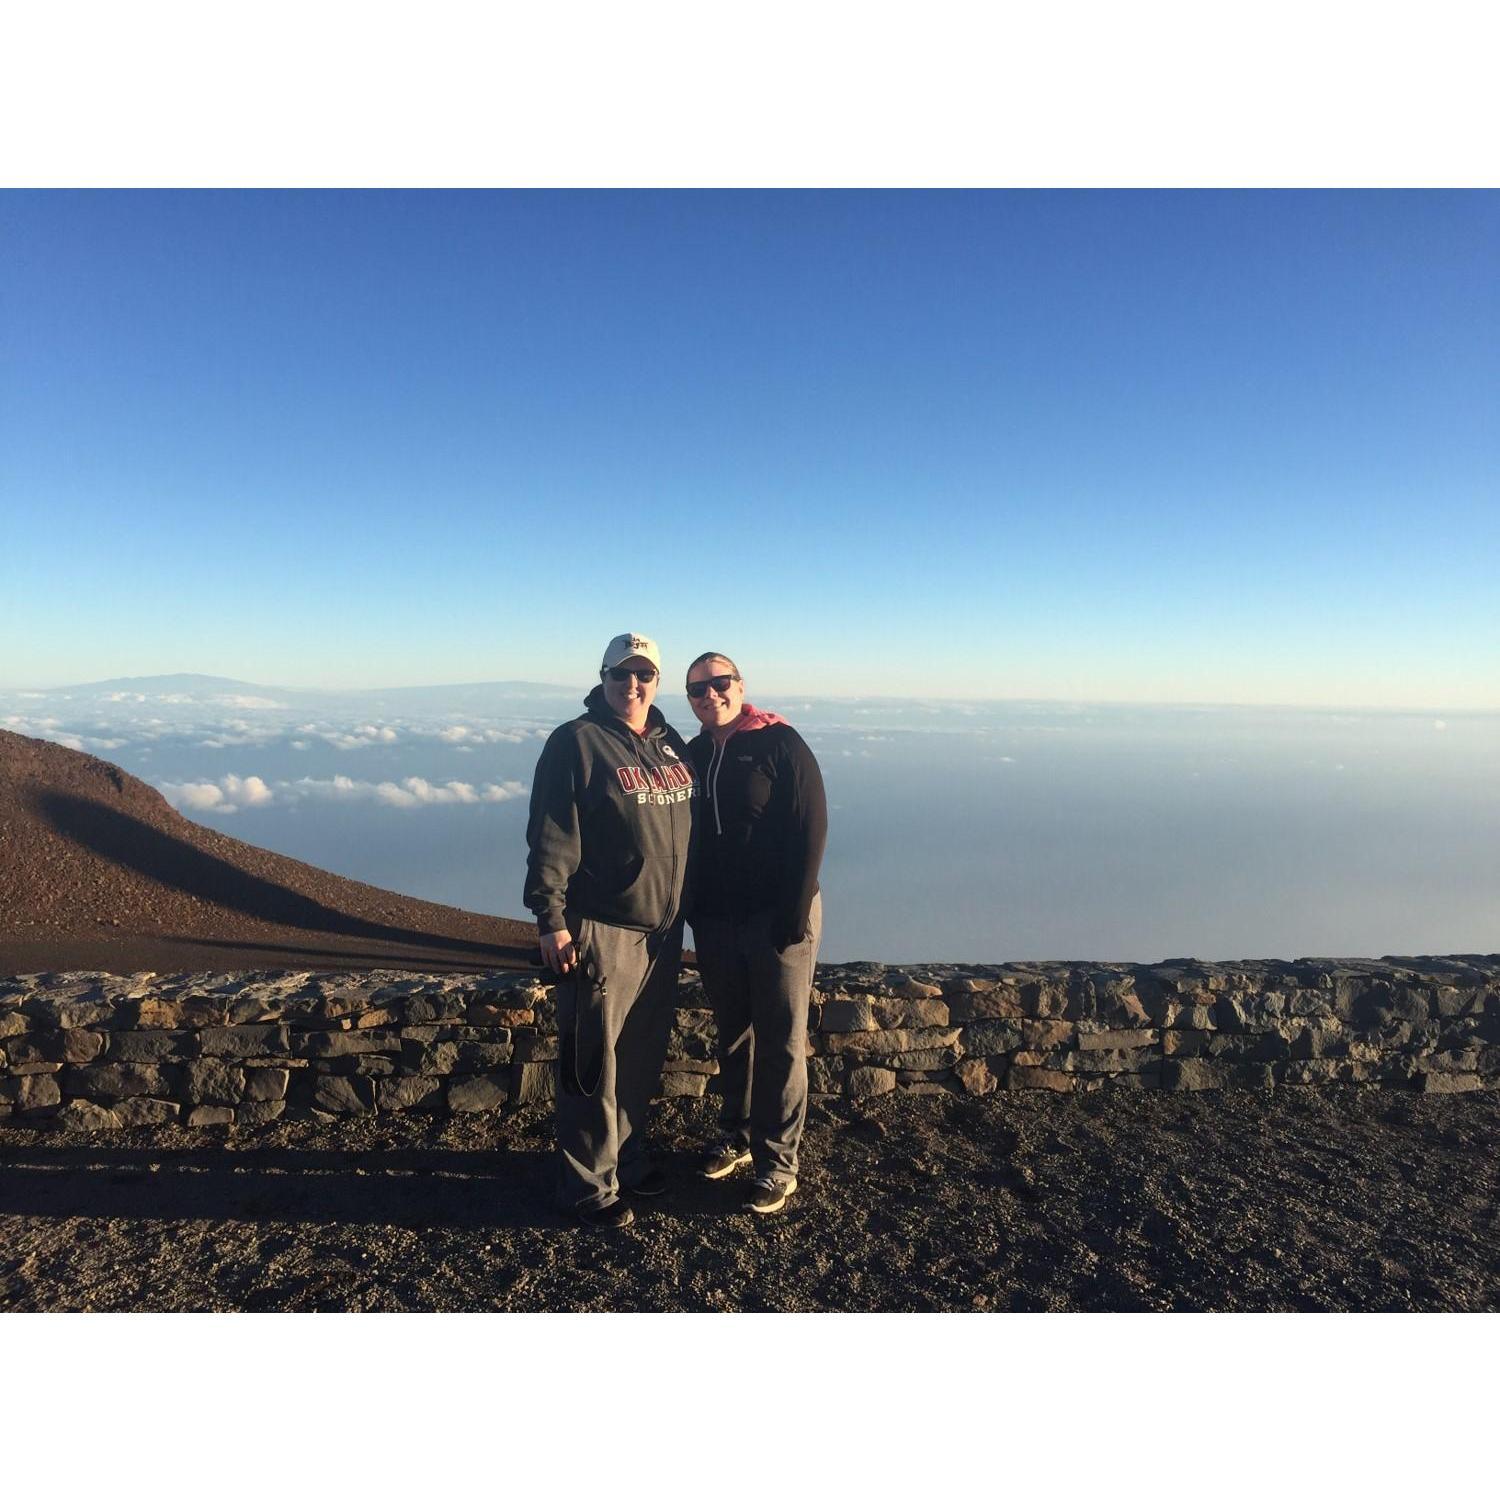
97, 1051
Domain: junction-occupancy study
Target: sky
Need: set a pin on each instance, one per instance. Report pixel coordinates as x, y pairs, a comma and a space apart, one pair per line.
1197, 447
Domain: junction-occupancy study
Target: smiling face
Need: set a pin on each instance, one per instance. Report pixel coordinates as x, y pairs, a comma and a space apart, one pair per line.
632, 698
720, 706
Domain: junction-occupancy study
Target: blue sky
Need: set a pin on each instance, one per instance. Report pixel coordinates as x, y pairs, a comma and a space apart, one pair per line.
1224, 447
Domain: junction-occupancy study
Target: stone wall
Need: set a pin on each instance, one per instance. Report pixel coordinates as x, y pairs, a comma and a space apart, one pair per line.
96, 1051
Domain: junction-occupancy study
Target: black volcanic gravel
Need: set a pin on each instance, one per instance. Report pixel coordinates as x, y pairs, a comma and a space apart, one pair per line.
1339, 1198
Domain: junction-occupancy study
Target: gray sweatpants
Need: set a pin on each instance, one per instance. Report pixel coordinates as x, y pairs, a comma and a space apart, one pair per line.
760, 1000
613, 1016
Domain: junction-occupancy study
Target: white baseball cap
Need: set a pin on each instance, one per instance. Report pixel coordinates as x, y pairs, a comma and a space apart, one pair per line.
623, 647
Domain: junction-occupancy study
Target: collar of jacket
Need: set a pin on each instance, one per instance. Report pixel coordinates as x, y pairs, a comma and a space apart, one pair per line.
602, 713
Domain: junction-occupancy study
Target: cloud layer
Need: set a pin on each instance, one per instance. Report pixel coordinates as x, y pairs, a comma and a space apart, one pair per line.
230, 794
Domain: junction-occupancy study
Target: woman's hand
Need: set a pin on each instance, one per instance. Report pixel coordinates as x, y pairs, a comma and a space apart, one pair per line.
558, 952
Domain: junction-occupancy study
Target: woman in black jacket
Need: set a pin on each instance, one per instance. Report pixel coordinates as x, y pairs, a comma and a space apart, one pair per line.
757, 918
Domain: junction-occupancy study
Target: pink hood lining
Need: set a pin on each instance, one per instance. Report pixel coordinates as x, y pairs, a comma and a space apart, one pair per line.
752, 718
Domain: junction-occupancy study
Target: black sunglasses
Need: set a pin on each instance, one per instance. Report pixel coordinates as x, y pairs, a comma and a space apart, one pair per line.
720, 685
643, 675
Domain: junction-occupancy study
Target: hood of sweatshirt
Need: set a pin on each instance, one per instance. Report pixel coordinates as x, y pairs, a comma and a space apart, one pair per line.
752, 717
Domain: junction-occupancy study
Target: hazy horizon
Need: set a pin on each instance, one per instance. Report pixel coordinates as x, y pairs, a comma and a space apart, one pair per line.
585, 684
958, 832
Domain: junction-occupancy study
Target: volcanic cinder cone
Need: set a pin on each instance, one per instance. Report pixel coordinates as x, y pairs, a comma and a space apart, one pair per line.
98, 871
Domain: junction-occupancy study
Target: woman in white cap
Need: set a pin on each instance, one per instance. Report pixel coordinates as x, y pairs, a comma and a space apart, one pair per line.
610, 834
757, 918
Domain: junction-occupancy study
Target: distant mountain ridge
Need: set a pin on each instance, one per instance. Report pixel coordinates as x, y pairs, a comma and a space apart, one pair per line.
201, 683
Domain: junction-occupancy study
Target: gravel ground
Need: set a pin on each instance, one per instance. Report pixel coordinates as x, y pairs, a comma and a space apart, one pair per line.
1353, 1198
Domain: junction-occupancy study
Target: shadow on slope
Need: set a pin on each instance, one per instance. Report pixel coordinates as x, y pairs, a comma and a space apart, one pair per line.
171, 862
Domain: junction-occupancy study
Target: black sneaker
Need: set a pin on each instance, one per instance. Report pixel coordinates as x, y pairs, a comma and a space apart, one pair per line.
652, 1185
719, 1161
616, 1215
767, 1197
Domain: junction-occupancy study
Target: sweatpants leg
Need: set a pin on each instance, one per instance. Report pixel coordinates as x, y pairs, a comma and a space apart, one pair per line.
760, 999
642, 1050
610, 1057
726, 982
780, 989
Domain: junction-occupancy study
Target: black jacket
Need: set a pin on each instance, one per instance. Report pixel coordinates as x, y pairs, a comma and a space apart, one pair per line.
611, 827
762, 827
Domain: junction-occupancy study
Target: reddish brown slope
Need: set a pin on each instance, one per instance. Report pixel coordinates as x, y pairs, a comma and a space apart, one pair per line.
97, 871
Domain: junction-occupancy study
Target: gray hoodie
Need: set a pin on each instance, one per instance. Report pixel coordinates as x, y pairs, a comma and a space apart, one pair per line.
611, 824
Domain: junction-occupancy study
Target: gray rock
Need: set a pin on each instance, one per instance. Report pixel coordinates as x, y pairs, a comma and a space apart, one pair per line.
172, 1015
1256, 1046
210, 1114
213, 1080
421, 1008
408, 1093
534, 1082
1041, 1035
82, 1046
1450, 1083
469, 1095
825, 1075
264, 1085
347, 1043
1191, 1017
149, 1046
435, 1058
924, 1061
976, 1076
1193, 1073
1006, 1004
1115, 1040
1054, 1079
880, 1042
84, 1114
915, 989
495, 1013
688, 1085
142, 1111
531, 1046
259, 1111
39, 1048
909, 1013
1127, 1060
865, 1083
986, 1038
118, 1080
242, 1041
1185, 1043
847, 1015
342, 1095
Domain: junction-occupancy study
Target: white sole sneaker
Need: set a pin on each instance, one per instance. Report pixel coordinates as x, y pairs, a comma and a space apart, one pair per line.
779, 1204
718, 1172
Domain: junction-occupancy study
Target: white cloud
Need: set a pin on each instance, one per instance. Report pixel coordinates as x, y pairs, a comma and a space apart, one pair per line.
245, 700
412, 791
353, 739
227, 795
194, 796
1439, 723
466, 736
